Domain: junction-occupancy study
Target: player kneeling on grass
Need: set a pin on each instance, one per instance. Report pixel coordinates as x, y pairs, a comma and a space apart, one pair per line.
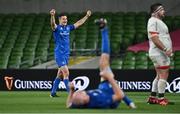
108, 94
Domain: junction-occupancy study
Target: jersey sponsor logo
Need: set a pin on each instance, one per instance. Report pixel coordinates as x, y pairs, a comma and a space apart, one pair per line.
9, 82
64, 33
174, 86
81, 82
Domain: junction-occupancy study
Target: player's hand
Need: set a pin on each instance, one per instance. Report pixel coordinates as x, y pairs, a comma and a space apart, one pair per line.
88, 13
169, 53
52, 12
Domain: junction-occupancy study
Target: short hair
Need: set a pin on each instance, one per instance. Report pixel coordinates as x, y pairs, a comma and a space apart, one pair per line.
62, 14
154, 7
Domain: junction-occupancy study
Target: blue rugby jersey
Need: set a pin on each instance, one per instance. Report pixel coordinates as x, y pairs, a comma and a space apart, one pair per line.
61, 37
100, 98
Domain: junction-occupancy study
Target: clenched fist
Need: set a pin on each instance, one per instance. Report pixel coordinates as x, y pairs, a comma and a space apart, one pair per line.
88, 13
52, 12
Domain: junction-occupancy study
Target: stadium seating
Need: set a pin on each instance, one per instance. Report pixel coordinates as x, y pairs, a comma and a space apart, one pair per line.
141, 60
26, 39
176, 23
129, 60
177, 60
116, 63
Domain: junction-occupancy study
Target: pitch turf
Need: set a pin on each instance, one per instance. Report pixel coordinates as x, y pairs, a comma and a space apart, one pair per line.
40, 102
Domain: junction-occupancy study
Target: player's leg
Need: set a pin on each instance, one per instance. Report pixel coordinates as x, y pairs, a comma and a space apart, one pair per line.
117, 94
62, 74
60, 62
163, 75
161, 64
105, 45
65, 72
154, 90
104, 64
56, 82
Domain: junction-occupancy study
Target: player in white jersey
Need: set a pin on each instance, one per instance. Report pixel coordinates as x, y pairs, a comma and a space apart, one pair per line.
160, 50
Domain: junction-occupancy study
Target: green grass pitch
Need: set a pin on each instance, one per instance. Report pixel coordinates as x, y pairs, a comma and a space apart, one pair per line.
40, 102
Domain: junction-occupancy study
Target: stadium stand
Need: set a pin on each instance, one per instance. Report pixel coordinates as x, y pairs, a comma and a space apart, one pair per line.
26, 39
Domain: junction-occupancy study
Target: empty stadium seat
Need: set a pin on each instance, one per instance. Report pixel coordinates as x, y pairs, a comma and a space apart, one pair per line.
26, 39
129, 60
116, 63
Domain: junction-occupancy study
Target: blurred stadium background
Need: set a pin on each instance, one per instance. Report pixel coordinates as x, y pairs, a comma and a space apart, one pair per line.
26, 40
26, 37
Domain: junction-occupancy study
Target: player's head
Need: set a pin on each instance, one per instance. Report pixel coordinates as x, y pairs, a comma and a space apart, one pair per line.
63, 19
80, 98
157, 9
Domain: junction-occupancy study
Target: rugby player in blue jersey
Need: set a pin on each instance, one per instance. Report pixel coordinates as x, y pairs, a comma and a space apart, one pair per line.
61, 33
108, 94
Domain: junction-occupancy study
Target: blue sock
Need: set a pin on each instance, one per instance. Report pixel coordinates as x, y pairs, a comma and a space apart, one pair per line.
105, 41
55, 86
66, 82
127, 100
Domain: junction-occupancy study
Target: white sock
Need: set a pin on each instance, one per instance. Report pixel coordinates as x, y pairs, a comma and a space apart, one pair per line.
161, 86
155, 85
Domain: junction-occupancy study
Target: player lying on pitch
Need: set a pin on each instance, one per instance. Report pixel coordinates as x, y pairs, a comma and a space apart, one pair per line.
108, 94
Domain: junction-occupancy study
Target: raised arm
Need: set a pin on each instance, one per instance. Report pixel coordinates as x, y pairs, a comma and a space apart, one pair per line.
69, 98
53, 22
81, 21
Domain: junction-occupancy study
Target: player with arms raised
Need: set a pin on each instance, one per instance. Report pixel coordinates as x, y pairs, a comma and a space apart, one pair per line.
61, 34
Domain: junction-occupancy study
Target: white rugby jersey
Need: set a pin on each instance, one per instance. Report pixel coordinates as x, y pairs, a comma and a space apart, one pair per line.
158, 27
